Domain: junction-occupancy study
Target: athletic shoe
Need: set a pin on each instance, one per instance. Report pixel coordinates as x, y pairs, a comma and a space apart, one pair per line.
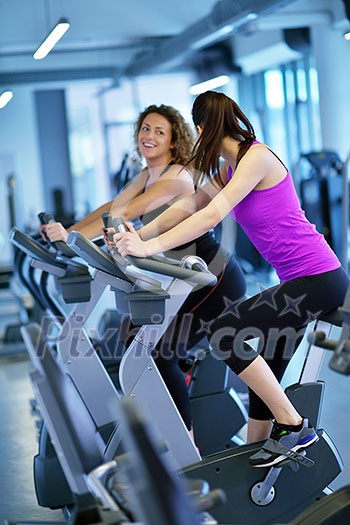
292, 437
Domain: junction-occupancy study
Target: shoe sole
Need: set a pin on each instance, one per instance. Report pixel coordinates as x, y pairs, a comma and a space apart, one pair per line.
282, 458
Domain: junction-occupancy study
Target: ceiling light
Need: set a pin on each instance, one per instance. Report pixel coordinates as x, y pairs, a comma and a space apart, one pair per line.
222, 32
207, 85
5, 98
213, 37
52, 38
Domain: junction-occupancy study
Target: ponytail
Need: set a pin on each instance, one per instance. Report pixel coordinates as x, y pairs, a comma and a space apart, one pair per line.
219, 116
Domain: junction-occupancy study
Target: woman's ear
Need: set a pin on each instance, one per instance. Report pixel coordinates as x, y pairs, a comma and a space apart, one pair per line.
199, 129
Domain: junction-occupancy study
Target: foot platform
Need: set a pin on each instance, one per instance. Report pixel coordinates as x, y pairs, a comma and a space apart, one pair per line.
274, 447
263, 492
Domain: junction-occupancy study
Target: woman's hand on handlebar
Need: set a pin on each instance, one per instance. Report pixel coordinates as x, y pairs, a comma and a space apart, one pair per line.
42, 228
107, 236
56, 232
129, 243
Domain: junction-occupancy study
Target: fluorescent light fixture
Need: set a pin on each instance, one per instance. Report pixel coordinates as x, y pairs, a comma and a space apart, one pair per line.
219, 34
212, 37
251, 16
5, 98
51, 40
347, 35
207, 85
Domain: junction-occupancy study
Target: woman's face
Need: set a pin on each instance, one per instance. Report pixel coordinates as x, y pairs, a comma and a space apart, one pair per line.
155, 138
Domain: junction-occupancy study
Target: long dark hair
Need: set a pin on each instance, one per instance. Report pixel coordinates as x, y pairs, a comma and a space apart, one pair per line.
219, 116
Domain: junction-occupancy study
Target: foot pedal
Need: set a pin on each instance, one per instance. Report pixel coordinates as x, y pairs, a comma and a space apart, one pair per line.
293, 465
276, 448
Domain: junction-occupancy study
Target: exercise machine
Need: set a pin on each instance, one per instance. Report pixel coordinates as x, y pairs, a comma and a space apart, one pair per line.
81, 454
214, 402
73, 342
252, 497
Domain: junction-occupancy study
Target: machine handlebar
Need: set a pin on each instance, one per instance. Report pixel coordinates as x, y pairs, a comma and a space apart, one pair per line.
60, 246
164, 266
32, 248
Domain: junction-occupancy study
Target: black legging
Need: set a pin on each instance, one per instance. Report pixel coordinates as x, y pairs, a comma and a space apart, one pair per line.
191, 326
278, 316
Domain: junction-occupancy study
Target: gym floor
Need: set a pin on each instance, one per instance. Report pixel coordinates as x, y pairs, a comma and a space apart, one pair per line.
18, 436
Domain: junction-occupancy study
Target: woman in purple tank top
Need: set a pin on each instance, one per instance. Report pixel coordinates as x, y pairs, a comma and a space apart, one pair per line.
255, 187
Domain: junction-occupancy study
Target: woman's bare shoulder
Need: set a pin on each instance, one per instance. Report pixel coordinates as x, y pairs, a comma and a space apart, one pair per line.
178, 170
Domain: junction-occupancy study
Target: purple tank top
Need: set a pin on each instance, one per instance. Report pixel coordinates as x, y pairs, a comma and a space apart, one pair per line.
276, 225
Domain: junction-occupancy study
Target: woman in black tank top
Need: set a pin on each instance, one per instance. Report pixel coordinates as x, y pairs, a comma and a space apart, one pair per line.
165, 141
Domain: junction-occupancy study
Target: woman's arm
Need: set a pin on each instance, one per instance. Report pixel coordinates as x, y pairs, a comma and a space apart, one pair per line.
132, 202
92, 224
171, 186
178, 212
252, 169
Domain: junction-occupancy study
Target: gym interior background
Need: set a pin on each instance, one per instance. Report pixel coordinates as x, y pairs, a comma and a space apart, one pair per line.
65, 136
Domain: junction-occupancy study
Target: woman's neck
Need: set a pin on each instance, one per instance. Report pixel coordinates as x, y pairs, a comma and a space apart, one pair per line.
156, 166
229, 150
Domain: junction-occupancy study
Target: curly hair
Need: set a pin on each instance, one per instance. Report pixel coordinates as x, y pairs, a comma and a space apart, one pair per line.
182, 135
